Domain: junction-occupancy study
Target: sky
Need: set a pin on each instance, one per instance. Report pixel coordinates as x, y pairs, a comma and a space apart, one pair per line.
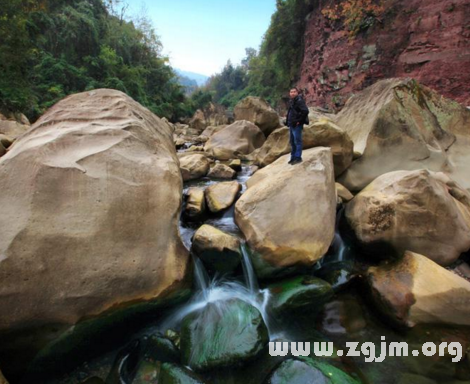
201, 35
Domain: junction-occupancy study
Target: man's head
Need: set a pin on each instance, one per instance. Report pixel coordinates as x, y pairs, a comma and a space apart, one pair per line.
293, 93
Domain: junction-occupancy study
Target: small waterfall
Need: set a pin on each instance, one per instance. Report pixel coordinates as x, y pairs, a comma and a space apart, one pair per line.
338, 245
248, 271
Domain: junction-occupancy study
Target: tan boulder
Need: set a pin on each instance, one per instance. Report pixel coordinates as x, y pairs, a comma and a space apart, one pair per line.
420, 211
5, 141
2, 379
343, 193
416, 290
259, 112
220, 196
13, 125
195, 203
209, 131
323, 133
287, 214
222, 171
235, 164
219, 251
194, 166
212, 114
91, 197
241, 137
196, 148
398, 124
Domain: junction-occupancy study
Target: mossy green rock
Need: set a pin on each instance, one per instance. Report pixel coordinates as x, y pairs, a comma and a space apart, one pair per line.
334, 375
161, 349
297, 372
299, 295
224, 333
174, 374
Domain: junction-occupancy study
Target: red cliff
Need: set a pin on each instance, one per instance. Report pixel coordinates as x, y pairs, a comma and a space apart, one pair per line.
425, 39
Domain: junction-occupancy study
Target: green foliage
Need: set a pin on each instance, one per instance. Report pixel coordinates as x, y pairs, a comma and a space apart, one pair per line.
52, 48
272, 71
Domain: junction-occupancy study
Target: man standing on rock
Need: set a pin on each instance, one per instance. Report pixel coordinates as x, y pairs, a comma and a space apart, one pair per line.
296, 118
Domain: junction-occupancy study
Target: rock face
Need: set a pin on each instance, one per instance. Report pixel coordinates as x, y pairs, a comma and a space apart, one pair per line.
287, 214
91, 197
259, 112
320, 134
401, 125
211, 115
420, 211
220, 196
416, 290
422, 39
12, 125
194, 166
241, 137
219, 251
222, 334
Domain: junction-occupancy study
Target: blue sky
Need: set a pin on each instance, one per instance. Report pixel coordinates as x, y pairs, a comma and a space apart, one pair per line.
201, 35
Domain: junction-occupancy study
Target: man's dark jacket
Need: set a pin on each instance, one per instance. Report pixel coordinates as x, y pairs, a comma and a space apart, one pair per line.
297, 112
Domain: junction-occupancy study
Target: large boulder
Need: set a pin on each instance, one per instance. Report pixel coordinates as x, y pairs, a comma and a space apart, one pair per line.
416, 290
195, 203
259, 112
194, 166
13, 125
420, 211
219, 251
323, 133
91, 199
241, 137
220, 196
287, 214
401, 125
224, 333
210, 130
222, 171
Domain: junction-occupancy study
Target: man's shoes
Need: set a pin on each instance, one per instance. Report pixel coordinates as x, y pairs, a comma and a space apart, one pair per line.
291, 161
295, 161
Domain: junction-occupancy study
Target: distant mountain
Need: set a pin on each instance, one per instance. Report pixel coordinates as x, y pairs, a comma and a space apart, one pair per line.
200, 79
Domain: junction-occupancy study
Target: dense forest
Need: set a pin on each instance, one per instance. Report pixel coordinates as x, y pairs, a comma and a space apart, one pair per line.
53, 48
271, 70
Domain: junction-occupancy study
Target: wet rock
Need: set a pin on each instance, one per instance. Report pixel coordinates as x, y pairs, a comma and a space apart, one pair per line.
235, 164
102, 201
222, 334
220, 196
173, 336
306, 370
159, 348
420, 211
259, 112
219, 251
297, 372
241, 137
126, 364
401, 125
195, 203
147, 373
222, 171
174, 374
299, 295
288, 213
416, 290
320, 134
343, 316
194, 167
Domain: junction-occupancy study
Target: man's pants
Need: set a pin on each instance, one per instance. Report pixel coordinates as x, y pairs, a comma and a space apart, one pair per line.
296, 141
